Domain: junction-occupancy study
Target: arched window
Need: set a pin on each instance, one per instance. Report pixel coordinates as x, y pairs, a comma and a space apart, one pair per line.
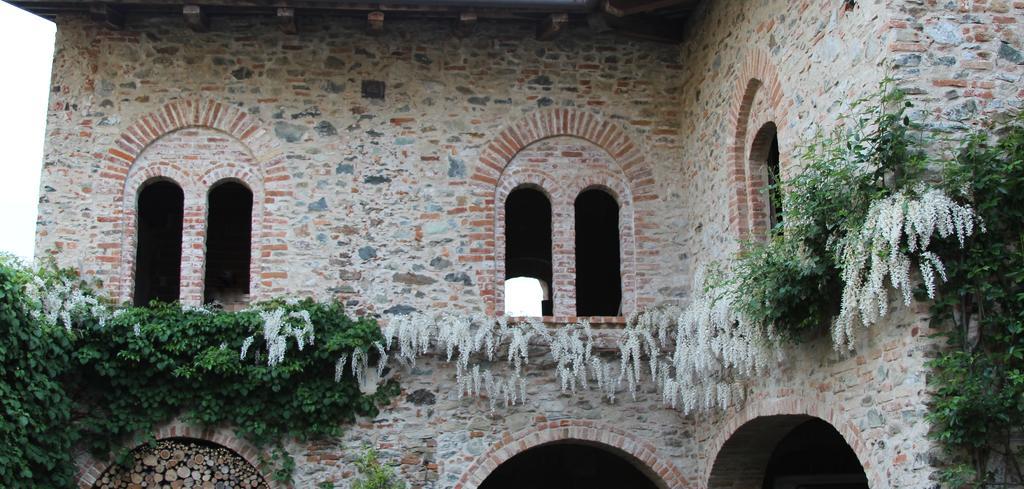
228, 245
528, 246
766, 172
774, 177
158, 255
598, 275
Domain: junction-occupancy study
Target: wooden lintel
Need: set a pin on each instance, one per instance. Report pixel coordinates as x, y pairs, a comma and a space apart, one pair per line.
375, 22
286, 19
598, 22
108, 15
551, 26
623, 8
195, 18
465, 24
646, 27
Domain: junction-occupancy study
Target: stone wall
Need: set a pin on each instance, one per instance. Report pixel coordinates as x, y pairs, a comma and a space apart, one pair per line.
383, 202
395, 205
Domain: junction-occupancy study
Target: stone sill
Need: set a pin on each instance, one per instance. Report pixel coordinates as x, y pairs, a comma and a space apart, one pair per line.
595, 321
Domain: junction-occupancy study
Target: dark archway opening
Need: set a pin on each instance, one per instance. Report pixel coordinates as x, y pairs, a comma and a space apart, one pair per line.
814, 456
158, 254
774, 188
598, 275
228, 245
528, 239
567, 466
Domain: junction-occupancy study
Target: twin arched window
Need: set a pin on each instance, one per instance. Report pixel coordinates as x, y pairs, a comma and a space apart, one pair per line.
528, 254
161, 219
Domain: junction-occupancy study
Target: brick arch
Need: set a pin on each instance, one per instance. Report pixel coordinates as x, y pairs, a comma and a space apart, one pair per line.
265, 174
757, 80
767, 416
548, 123
490, 174
185, 113
90, 468
642, 454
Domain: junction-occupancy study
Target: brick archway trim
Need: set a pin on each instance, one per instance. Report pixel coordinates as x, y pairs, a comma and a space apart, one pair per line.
792, 404
757, 74
549, 123
90, 469
659, 468
185, 113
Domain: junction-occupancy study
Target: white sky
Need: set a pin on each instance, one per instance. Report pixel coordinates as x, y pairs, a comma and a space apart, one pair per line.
26, 52
523, 297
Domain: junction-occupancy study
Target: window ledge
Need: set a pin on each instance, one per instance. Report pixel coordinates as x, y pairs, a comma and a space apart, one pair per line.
596, 321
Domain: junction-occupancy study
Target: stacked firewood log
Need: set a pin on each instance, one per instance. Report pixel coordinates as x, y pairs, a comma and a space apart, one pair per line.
176, 464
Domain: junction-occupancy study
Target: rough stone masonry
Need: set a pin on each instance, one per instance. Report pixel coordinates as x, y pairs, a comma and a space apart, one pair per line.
395, 204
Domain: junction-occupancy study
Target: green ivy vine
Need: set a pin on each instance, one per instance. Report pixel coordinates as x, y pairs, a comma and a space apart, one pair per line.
100, 383
978, 382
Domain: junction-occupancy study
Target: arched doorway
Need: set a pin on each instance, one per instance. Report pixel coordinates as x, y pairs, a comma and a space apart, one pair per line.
568, 465
787, 452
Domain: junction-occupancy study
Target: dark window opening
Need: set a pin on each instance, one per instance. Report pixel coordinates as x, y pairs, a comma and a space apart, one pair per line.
158, 252
228, 245
528, 239
814, 456
567, 466
774, 187
598, 278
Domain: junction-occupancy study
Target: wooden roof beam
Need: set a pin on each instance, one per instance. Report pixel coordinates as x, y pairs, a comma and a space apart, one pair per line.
195, 18
106, 14
375, 22
465, 24
622, 8
286, 19
551, 26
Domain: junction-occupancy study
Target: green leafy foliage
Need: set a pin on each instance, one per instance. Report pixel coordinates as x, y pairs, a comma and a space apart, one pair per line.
98, 384
978, 403
35, 409
791, 280
374, 474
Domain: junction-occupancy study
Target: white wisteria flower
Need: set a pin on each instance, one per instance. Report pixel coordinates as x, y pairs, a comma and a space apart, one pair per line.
896, 234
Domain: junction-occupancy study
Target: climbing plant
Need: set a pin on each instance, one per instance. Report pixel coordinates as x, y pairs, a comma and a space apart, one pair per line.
77, 371
978, 401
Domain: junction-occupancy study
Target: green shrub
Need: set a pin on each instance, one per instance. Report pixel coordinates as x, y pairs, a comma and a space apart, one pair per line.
978, 385
35, 443
96, 378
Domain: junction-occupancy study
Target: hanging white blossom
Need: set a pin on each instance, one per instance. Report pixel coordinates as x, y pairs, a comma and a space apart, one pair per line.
62, 302
896, 233
278, 326
693, 357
